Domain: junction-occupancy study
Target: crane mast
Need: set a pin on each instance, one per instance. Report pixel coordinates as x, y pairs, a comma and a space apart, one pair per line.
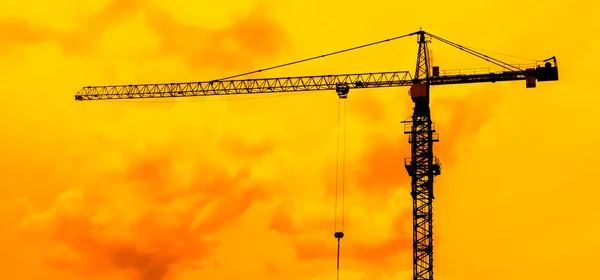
422, 166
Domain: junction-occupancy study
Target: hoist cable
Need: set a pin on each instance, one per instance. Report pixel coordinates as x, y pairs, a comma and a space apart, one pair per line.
341, 146
337, 171
337, 159
344, 165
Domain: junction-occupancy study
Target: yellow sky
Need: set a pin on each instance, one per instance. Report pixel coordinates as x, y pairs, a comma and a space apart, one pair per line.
209, 188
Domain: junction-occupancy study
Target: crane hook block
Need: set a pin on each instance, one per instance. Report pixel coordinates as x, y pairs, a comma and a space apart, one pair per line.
338, 235
342, 90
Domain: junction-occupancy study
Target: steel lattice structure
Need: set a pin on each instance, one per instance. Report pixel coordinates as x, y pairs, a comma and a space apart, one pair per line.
422, 166
288, 84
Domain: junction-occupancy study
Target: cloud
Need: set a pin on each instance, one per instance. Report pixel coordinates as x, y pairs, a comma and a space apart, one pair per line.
114, 201
152, 194
142, 221
379, 168
464, 117
252, 37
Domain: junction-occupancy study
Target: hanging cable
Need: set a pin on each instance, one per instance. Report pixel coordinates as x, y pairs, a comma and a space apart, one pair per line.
340, 171
343, 161
340, 178
337, 169
317, 57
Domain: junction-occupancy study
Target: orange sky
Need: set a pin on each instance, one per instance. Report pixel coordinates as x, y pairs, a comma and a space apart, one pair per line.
221, 188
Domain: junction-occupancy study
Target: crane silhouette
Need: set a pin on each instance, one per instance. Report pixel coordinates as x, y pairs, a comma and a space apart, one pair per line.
422, 166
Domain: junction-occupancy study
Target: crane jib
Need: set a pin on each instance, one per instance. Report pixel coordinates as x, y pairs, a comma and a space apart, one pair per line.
303, 83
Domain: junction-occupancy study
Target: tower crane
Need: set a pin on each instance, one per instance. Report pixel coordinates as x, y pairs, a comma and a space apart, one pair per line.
422, 166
